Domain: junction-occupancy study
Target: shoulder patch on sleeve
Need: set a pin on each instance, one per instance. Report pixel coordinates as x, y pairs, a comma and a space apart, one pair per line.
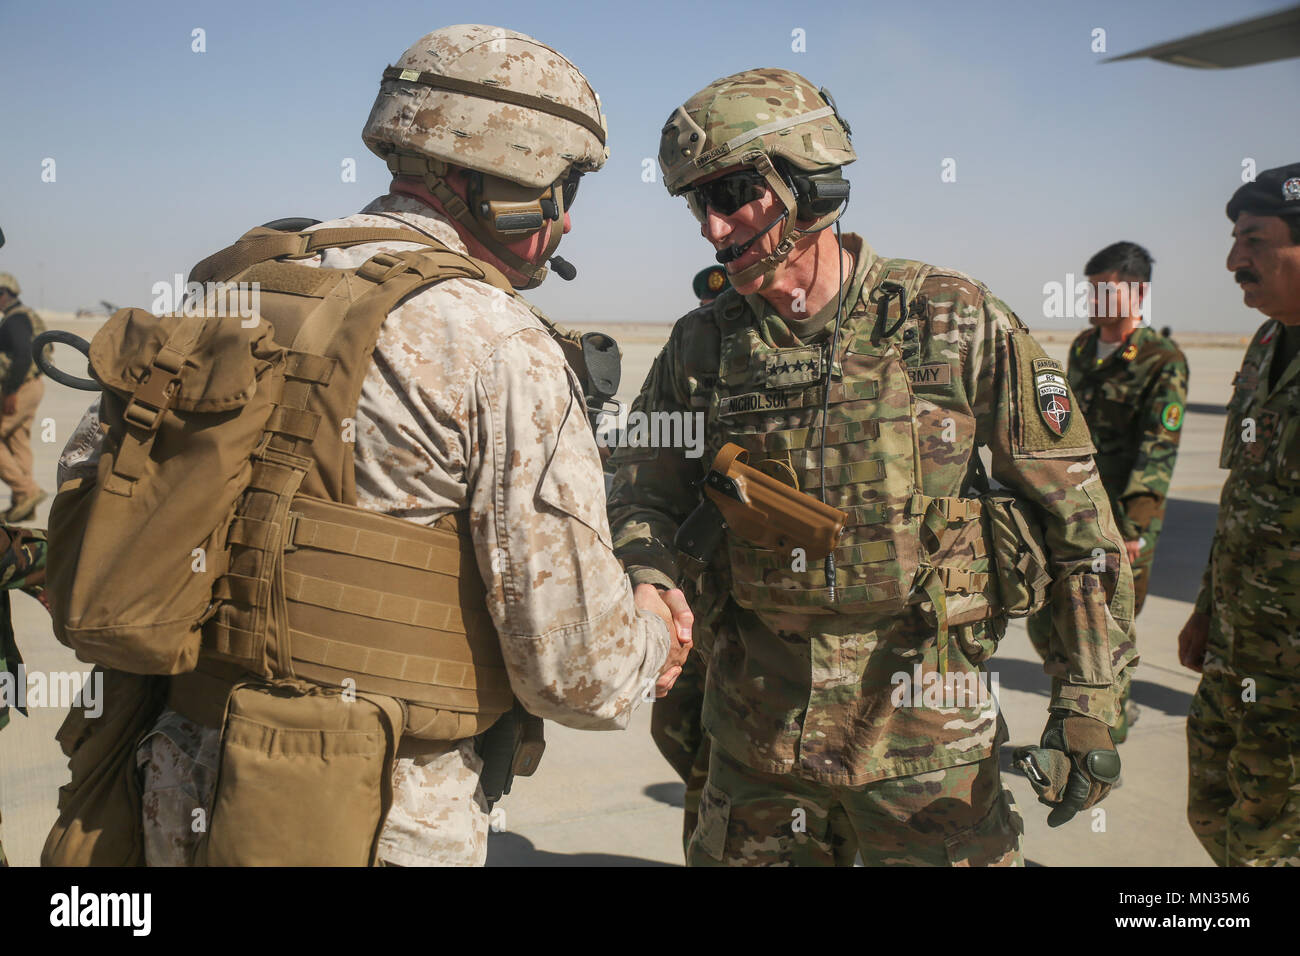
1046, 419
1172, 416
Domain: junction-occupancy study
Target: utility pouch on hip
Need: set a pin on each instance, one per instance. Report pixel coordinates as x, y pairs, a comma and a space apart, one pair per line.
1019, 556
305, 777
100, 811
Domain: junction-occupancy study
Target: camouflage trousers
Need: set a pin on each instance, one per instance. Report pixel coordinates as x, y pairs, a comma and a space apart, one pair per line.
955, 816
438, 817
1243, 799
675, 727
1040, 632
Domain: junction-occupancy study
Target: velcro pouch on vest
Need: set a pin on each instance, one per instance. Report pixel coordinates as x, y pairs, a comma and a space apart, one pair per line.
1019, 556
185, 403
186, 400
333, 752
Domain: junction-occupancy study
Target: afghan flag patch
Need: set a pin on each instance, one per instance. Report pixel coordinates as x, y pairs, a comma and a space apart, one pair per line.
1053, 395
1172, 416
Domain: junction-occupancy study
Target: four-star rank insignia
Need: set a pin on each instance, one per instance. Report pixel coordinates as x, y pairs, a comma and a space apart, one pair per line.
1053, 396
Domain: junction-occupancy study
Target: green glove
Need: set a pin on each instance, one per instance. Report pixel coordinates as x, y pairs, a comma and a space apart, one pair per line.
1073, 768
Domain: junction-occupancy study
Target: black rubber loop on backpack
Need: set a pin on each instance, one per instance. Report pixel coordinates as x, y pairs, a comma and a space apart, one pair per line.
63, 378
290, 225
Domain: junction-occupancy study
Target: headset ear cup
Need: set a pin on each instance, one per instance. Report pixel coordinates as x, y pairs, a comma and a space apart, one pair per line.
804, 188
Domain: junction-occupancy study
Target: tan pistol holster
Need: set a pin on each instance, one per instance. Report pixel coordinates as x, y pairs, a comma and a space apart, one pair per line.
221, 543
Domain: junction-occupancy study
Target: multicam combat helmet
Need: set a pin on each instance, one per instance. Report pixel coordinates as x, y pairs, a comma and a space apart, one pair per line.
751, 119
516, 113
9, 284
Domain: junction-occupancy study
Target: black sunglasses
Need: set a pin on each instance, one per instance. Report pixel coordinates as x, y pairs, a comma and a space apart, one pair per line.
728, 194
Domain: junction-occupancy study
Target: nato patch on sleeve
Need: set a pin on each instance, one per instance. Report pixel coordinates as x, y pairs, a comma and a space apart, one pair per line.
1047, 421
1053, 393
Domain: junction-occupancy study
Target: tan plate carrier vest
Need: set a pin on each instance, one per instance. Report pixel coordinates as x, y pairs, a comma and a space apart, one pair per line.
900, 546
316, 587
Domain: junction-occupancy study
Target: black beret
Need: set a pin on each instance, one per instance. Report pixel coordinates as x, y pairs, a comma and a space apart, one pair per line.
1275, 192
709, 283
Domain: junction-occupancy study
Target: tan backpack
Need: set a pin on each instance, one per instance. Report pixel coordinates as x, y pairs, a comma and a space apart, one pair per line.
222, 517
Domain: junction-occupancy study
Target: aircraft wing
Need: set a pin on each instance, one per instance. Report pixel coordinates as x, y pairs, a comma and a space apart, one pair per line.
1275, 36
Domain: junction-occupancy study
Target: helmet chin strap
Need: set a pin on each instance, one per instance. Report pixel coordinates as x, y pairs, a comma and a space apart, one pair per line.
432, 171
790, 235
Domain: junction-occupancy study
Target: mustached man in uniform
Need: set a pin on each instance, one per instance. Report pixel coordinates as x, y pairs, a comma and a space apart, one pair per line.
1243, 731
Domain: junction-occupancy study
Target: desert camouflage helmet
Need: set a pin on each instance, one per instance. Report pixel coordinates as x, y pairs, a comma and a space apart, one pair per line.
490, 100
773, 112
9, 284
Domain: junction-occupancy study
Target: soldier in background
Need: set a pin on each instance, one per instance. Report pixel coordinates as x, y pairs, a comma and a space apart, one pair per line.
22, 568
1243, 731
811, 756
21, 388
1131, 386
709, 283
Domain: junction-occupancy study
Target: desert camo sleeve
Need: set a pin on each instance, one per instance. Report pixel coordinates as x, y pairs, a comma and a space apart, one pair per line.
576, 648
1093, 651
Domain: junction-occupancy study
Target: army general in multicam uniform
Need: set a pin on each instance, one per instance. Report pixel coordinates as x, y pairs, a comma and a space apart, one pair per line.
1131, 386
1243, 731
469, 404
815, 754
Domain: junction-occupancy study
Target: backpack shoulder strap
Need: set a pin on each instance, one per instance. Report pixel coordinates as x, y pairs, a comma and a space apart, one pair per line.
260, 244
330, 338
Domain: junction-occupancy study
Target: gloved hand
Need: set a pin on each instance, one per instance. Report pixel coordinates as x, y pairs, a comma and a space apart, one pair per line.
1073, 768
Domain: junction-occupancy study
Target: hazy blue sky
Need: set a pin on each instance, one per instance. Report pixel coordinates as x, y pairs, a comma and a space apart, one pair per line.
164, 155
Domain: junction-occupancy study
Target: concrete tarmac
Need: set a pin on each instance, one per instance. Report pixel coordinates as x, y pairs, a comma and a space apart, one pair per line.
609, 799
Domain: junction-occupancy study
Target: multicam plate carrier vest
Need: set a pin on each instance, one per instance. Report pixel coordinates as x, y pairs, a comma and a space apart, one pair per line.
900, 546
